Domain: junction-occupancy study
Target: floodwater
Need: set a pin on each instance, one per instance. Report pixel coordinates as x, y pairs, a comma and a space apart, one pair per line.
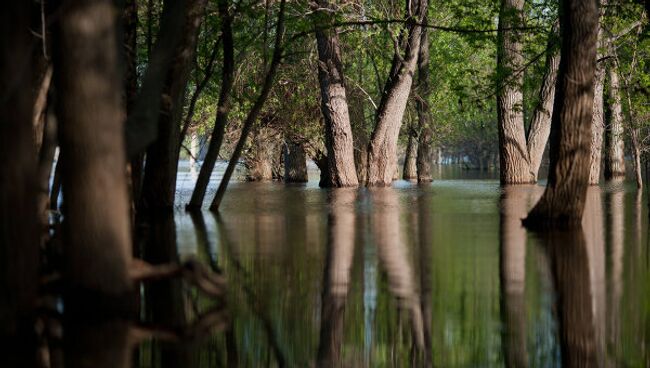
441, 275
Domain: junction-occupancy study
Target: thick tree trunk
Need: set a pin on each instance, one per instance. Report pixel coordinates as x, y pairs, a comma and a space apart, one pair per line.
159, 185
425, 142
223, 108
512, 135
259, 162
295, 163
334, 105
18, 229
409, 171
564, 199
96, 226
540, 126
615, 153
322, 162
382, 148
598, 119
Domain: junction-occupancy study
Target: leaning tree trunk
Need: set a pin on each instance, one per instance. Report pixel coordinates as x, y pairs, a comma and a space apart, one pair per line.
96, 213
295, 163
598, 119
223, 108
615, 154
510, 114
564, 198
382, 148
410, 170
18, 227
159, 185
334, 105
425, 138
540, 126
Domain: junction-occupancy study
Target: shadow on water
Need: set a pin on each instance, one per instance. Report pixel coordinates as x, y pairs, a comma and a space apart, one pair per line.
441, 275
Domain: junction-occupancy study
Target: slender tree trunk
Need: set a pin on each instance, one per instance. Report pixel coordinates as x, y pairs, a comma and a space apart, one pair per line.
564, 199
515, 164
334, 104
410, 170
40, 101
251, 118
19, 257
425, 142
159, 185
615, 153
540, 126
223, 108
598, 120
295, 163
96, 226
383, 142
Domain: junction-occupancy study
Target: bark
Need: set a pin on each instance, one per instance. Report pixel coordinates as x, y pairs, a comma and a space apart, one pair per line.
19, 257
383, 142
564, 198
40, 102
159, 185
259, 162
96, 228
295, 163
540, 126
598, 120
334, 104
410, 170
425, 142
336, 281
251, 118
223, 108
515, 163
322, 162
615, 153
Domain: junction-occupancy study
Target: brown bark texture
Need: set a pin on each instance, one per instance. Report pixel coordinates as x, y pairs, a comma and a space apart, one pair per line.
295, 163
382, 148
409, 172
598, 119
96, 228
615, 150
564, 198
334, 104
510, 114
425, 137
159, 185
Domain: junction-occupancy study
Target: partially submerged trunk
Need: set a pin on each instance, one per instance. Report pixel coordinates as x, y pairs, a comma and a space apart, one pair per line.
615, 153
598, 119
18, 229
382, 148
334, 105
223, 108
295, 163
510, 114
259, 162
410, 170
96, 227
159, 185
540, 126
425, 137
564, 198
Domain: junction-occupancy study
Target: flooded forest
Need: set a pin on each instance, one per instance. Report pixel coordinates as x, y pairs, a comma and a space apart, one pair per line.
324, 183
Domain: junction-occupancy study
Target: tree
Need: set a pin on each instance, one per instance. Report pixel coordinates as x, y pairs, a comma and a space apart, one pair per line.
564, 198
382, 148
425, 138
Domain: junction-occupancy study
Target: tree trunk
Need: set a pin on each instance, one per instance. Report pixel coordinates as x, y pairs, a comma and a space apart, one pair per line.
334, 105
96, 227
564, 198
159, 186
598, 120
19, 257
322, 162
410, 170
259, 162
425, 142
295, 163
636, 152
615, 154
383, 141
223, 108
540, 126
515, 164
